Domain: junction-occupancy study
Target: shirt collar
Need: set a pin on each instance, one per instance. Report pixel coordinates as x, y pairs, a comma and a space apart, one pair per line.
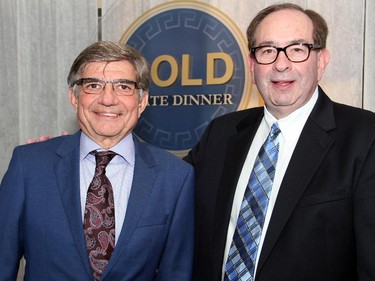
291, 125
125, 148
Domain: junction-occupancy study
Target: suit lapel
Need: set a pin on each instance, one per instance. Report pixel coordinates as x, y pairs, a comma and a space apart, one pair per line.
235, 156
312, 147
143, 183
68, 181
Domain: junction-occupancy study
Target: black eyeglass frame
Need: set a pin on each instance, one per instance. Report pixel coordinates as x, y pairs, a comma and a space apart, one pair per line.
81, 81
279, 49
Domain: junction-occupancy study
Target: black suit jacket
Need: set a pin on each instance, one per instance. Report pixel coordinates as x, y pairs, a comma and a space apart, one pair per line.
323, 223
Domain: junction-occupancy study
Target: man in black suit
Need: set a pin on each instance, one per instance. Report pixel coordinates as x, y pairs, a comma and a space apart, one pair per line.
320, 219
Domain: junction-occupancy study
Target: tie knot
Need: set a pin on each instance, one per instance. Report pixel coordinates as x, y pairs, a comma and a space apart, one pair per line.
103, 157
275, 130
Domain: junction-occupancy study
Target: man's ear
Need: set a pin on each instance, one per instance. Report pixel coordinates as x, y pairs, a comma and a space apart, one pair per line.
251, 64
323, 60
143, 103
73, 99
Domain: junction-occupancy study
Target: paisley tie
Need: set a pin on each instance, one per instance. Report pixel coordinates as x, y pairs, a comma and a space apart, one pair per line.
99, 218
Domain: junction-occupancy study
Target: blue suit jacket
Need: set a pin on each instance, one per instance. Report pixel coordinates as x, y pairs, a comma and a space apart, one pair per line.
40, 216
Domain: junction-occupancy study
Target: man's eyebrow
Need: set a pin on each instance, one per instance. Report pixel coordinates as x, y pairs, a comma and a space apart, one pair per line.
272, 43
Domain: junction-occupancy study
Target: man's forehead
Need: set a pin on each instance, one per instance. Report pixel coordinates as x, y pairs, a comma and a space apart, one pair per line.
285, 26
103, 66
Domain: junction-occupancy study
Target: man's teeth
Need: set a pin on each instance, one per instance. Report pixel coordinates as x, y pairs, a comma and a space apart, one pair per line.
109, 114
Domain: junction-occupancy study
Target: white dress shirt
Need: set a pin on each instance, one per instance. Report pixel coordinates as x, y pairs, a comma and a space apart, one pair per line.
119, 171
291, 128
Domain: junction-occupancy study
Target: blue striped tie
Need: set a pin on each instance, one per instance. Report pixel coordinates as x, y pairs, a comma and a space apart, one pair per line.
243, 251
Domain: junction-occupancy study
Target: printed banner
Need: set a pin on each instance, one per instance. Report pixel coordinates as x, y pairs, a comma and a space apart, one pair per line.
198, 61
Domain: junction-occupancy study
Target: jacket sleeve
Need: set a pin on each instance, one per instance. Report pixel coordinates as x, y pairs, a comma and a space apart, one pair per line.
364, 219
11, 218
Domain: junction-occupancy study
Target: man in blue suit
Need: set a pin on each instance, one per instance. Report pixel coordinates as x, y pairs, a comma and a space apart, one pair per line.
43, 193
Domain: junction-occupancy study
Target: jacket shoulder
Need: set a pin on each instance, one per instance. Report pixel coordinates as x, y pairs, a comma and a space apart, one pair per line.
160, 157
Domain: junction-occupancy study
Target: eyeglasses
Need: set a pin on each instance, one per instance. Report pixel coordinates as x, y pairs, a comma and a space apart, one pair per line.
296, 52
93, 86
